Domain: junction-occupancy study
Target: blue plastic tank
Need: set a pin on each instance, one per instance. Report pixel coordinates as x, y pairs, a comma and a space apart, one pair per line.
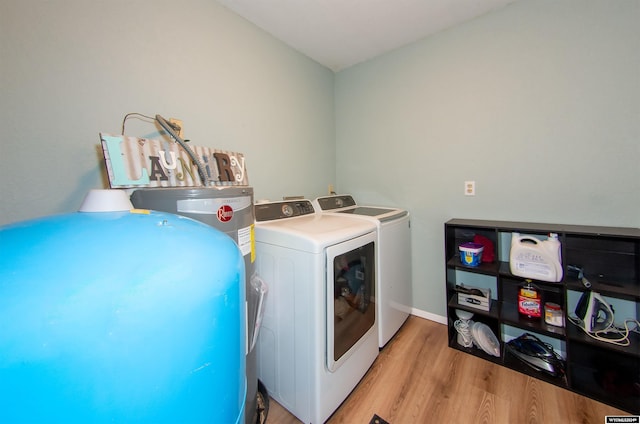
121, 317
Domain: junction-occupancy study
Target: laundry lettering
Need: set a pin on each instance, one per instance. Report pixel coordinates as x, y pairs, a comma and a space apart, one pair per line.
118, 175
185, 168
224, 167
158, 166
157, 172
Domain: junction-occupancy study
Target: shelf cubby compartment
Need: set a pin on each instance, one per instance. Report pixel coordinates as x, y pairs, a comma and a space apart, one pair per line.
550, 293
492, 313
464, 234
577, 335
509, 332
491, 320
606, 374
489, 268
622, 289
511, 316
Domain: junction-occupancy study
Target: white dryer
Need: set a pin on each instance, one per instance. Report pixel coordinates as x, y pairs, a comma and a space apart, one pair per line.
319, 331
394, 292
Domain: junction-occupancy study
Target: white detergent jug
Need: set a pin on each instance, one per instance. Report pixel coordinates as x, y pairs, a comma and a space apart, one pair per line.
536, 259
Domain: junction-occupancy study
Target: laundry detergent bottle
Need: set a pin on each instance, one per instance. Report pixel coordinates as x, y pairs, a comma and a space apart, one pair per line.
536, 259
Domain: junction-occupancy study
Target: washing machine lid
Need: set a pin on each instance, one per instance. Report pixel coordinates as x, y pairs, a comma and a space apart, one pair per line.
345, 204
367, 210
313, 232
382, 214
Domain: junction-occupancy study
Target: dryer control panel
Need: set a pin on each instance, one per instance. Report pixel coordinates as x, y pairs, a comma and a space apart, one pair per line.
335, 202
281, 210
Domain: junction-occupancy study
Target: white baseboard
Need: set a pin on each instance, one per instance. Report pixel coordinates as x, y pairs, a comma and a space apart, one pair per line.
428, 315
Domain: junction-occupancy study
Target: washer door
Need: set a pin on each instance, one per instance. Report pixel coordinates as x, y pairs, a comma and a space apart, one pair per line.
351, 283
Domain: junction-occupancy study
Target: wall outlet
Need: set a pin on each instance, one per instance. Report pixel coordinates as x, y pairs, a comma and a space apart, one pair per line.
330, 189
469, 188
178, 122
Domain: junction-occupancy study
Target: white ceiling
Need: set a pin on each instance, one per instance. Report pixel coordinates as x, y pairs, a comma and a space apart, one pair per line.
342, 33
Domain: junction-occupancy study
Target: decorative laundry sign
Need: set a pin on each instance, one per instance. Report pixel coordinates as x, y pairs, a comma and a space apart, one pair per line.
136, 162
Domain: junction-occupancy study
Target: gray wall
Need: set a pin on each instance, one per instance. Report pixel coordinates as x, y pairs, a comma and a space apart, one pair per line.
70, 69
538, 102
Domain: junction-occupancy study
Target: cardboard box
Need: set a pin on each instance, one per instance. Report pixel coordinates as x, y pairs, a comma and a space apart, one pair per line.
473, 301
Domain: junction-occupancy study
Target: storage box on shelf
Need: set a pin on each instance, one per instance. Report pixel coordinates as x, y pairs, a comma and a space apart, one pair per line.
609, 258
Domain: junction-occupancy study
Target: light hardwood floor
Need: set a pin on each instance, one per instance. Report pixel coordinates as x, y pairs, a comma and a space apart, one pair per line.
417, 378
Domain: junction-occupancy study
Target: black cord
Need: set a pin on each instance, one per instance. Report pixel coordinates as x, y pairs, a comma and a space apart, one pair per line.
134, 114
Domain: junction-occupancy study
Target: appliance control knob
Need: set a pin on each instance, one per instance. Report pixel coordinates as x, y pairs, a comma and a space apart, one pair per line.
287, 210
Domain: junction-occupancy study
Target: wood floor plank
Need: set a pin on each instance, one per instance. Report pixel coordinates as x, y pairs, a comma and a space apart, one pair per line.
417, 378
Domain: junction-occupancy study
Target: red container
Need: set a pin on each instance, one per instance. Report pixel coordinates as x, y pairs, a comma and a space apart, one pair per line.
529, 301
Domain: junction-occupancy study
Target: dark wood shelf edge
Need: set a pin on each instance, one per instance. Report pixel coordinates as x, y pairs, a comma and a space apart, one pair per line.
510, 316
540, 227
628, 290
475, 351
576, 335
488, 268
515, 364
493, 312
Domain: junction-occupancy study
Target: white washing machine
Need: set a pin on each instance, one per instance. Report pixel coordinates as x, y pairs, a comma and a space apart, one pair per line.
394, 292
319, 330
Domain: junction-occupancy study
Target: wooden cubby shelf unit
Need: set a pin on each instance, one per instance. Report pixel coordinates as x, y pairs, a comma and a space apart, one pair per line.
610, 260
